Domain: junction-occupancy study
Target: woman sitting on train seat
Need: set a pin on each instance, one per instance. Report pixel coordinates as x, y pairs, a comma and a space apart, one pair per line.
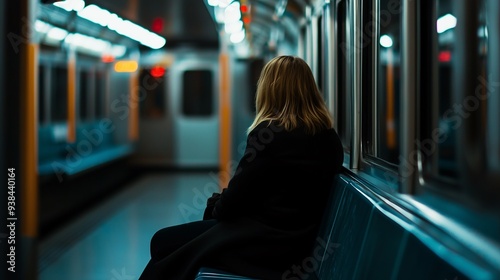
265, 222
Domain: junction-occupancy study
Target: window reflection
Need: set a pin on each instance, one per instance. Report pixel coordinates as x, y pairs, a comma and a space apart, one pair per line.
388, 82
197, 97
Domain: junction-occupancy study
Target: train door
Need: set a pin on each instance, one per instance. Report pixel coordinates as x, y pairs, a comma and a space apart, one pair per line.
156, 141
195, 110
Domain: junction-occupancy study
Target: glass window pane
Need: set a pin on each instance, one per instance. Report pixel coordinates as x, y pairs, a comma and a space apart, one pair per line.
41, 94
154, 89
388, 83
320, 55
197, 97
343, 98
83, 95
446, 150
59, 98
100, 93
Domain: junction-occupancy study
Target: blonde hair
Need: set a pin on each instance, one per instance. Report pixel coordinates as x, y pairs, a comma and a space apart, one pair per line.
287, 95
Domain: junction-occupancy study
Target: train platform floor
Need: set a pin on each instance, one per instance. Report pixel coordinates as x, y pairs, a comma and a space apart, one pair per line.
111, 241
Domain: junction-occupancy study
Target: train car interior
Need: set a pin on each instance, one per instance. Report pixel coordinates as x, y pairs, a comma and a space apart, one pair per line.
119, 118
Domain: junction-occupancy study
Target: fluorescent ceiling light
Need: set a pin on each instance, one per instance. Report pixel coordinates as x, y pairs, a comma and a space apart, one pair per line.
103, 17
233, 27
446, 22
386, 41
237, 37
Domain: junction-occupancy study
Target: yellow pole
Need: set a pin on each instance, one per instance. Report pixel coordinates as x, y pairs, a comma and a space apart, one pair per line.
225, 121
71, 118
390, 121
133, 132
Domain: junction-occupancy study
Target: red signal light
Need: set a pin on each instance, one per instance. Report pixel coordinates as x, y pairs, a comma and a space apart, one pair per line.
444, 56
157, 25
157, 71
244, 9
107, 58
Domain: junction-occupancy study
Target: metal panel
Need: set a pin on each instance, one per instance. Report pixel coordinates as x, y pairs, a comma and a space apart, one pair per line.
196, 139
355, 10
408, 100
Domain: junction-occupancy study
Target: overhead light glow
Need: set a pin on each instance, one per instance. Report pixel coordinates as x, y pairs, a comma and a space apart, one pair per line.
95, 14
126, 28
56, 33
126, 66
91, 45
446, 22
237, 37
219, 14
71, 5
213, 3
42, 27
232, 12
224, 3
233, 27
386, 41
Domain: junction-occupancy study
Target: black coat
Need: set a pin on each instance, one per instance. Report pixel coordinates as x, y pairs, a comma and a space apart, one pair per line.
269, 215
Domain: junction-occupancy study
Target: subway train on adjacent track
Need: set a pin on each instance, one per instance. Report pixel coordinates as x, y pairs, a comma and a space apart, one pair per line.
111, 107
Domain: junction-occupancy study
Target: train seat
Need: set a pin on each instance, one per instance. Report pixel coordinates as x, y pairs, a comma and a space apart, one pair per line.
362, 238
206, 273
91, 148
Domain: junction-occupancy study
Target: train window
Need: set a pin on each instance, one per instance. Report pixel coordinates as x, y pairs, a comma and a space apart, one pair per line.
368, 84
343, 52
197, 97
302, 42
320, 53
42, 94
59, 98
256, 66
439, 140
83, 91
388, 81
152, 82
100, 93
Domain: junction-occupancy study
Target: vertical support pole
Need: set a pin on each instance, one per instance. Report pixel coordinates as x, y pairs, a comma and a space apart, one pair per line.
331, 58
133, 132
356, 72
375, 64
408, 100
19, 148
71, 118
224, 116
465, 79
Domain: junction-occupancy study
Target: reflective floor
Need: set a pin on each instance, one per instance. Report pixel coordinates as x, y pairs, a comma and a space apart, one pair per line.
112, 240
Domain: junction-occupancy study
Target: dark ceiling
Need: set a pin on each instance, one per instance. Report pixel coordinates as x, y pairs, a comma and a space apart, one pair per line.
189, 22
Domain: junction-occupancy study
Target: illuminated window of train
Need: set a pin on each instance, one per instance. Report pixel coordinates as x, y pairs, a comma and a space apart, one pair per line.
100, 93
197, 97
388, 81
83, 86
343, 52
446, 149
153, 105
320, 58
59, 84
370, 44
